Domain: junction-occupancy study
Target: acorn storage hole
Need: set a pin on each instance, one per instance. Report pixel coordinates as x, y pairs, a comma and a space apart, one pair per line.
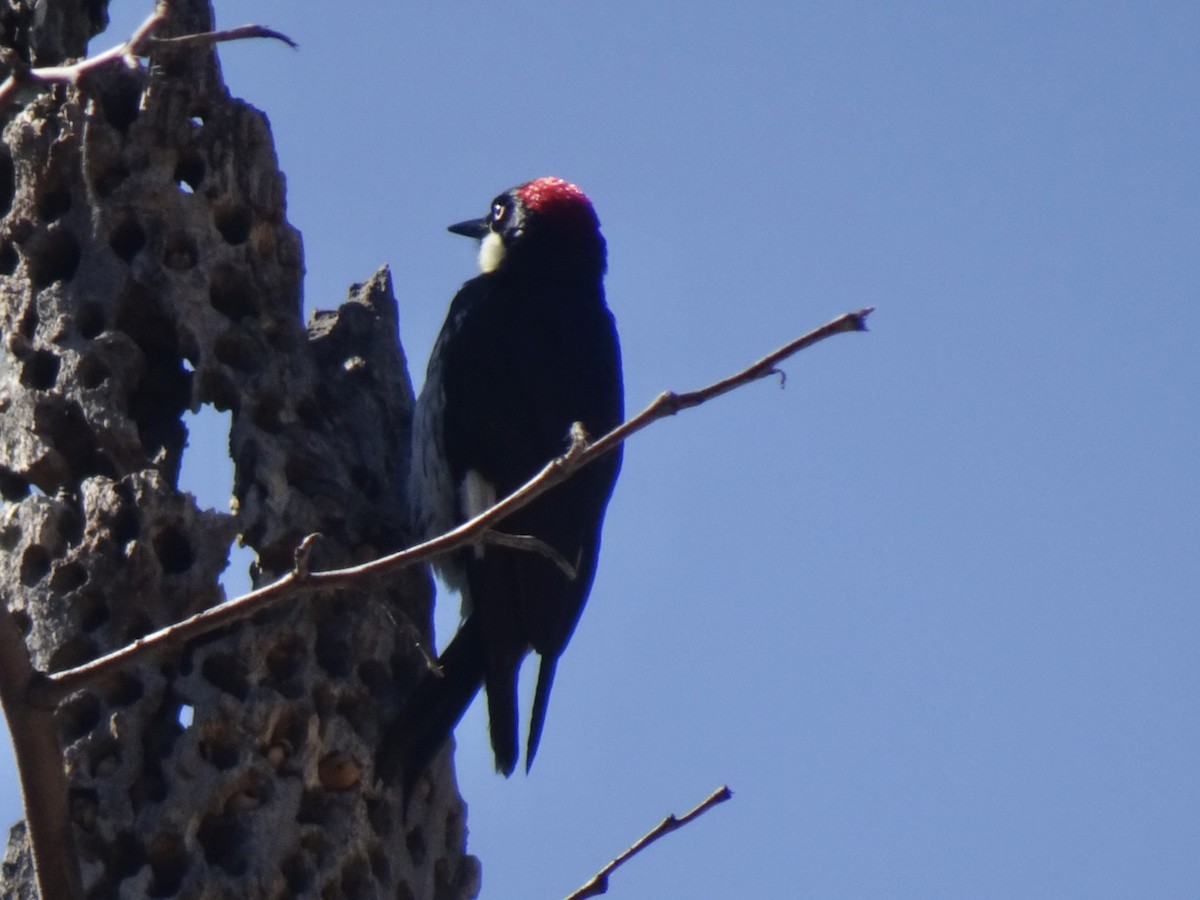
53, 256
35, 564
231, 295
90, 320
9, 259
39, 370
8, 180
174, 550
189, 173
233, 221
127, 238
54, 203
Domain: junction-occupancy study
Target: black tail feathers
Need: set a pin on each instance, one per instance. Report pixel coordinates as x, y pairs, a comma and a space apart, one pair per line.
439, 701
541, 698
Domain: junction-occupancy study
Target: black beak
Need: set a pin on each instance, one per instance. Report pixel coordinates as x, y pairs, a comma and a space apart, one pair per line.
472, 228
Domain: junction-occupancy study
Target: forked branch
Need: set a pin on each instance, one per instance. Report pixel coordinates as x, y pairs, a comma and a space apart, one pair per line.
139, 45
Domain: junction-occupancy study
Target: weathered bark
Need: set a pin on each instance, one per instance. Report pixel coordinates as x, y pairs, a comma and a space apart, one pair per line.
147, 267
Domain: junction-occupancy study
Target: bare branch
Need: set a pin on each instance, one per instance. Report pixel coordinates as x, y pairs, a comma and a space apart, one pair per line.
57, 686
598, 884
136, 44
60, 685
139, 45
40, 770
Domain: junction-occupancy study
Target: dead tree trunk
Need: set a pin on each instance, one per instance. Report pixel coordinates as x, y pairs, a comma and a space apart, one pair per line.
146, 268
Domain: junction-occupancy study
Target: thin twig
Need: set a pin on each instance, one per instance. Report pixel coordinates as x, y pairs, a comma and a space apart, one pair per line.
534, 544
55, 687
598, 883
207, 38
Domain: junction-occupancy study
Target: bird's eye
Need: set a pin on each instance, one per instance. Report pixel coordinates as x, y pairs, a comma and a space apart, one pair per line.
499, 213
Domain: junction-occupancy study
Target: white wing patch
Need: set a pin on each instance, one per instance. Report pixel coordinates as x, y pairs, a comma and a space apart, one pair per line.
475, 495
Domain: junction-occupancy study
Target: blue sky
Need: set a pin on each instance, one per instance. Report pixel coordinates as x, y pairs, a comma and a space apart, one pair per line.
933, 609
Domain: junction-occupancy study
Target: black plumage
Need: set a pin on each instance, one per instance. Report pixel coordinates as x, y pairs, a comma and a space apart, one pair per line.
528, 348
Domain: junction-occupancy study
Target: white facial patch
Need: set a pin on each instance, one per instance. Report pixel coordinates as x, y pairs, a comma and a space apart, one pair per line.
491, 252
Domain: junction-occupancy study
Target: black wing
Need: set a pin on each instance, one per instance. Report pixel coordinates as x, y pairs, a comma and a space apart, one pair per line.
515, 379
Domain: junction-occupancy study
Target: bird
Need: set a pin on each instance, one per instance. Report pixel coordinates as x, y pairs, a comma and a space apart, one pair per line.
528, 349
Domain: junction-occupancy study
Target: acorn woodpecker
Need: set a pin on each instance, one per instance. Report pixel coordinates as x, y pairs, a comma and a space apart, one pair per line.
528, 348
